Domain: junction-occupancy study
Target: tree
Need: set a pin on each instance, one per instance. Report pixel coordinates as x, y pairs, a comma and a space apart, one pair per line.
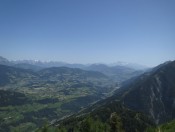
116, 123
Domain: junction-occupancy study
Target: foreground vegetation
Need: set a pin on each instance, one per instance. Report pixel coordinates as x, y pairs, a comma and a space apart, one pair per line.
115, 125
111, 118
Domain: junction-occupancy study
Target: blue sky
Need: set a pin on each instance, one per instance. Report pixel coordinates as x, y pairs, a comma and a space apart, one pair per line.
88, 31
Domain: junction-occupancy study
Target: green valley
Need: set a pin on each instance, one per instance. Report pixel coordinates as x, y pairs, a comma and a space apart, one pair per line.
29, 99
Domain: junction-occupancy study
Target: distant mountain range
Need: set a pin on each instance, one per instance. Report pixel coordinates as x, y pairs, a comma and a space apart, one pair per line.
45, 64
118, 71
130, 65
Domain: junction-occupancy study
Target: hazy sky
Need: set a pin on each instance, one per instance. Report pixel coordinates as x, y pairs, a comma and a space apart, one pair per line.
88, 31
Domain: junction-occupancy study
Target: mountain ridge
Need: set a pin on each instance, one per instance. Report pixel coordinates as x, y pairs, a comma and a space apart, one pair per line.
152, 93
118, 72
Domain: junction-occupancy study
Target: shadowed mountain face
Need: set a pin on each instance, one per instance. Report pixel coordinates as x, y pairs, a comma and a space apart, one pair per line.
152, 93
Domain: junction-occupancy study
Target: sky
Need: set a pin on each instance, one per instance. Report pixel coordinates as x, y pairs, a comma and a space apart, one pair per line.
88, 31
